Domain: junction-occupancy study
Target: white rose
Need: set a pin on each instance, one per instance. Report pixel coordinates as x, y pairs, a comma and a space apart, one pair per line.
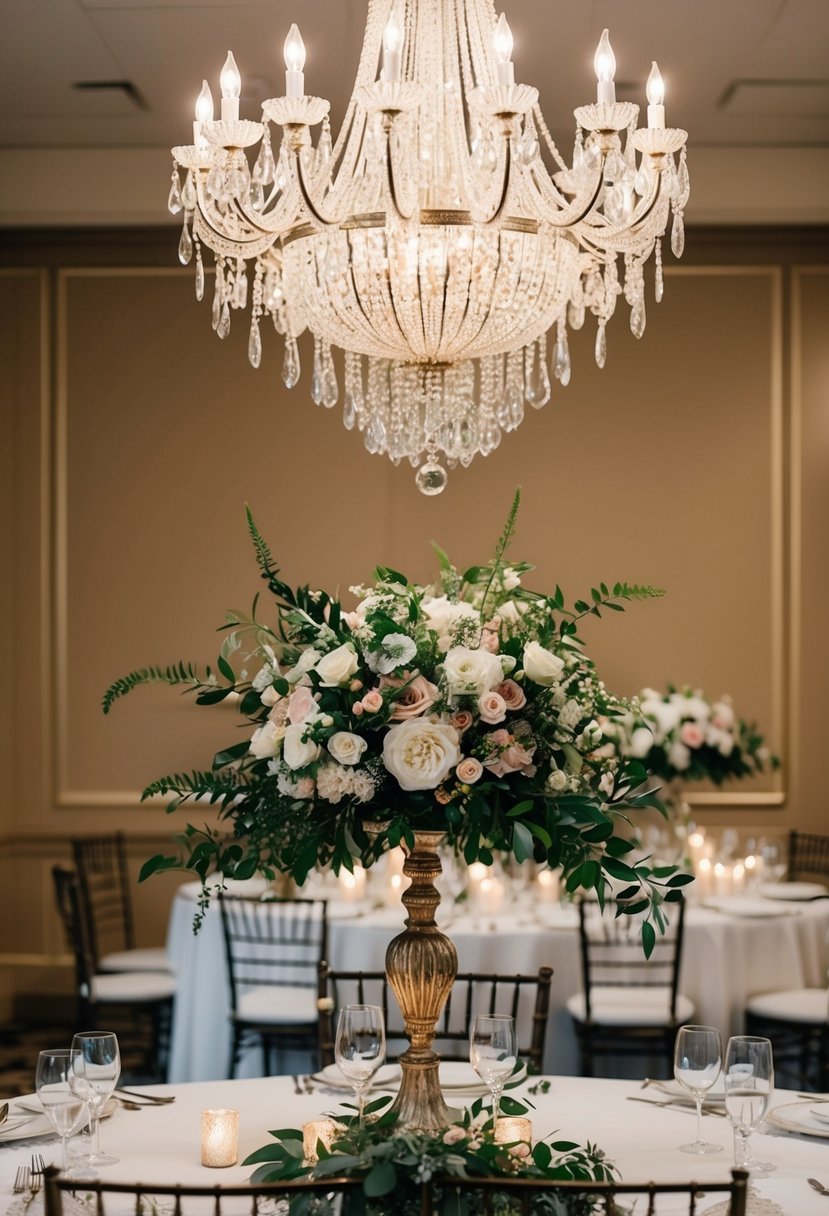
419, 754
541, 665
641, 742
296, 751
442, 614
557, 780
471, 672
347, 748
266, 740
338, 666
666, 714
270, 696
512, 579
304, 664
679, 756
511, 613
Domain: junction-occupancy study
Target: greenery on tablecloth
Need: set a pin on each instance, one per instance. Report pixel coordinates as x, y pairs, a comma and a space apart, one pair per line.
468, 706
395, 1163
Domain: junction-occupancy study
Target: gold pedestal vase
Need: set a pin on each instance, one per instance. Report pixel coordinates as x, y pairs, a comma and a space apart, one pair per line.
421, 965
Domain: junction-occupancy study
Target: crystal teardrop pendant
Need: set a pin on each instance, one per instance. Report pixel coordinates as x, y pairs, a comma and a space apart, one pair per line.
223, 328
601, 345
678, 234
185, 245
638, 318
330, 388
431, 479
188, 194
218, 291
290, 363
561, 358
199, 276
541, 388
255, 345
316, 375
658, 281
349, 412
174, 203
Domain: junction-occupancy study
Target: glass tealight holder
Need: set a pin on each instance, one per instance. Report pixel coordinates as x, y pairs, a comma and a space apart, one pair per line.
318, 1131
219, 1138
512, 1130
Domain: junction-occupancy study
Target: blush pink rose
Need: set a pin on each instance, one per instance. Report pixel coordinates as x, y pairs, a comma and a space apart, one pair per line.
492, 707
512, 693
372, 702
301, 705
469, 770
461, 720
490, 641
691, 735
417, 697
508, 756
454, 1134
305, 787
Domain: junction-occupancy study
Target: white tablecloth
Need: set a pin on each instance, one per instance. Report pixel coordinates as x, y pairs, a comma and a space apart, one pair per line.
726, 959
161, 1144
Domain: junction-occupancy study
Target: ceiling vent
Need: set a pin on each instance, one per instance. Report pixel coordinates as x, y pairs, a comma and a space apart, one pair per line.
776, 98
122, 88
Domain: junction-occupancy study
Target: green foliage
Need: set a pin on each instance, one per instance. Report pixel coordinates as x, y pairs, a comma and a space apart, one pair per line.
176, 673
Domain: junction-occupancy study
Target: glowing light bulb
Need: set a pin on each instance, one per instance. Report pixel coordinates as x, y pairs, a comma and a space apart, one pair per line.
502, 44
393, 45
655, 90
204, 114
294, 52
604, 62
231, 85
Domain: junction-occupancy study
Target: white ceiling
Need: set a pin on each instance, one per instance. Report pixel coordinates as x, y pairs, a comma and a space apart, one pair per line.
739, 73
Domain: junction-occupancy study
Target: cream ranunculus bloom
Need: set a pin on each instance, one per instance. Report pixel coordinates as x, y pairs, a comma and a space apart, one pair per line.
346, 747
471, 672
541, 665
296, 751
338, 666
266, 740
419, 754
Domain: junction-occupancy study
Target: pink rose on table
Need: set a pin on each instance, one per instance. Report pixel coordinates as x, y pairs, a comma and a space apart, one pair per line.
492, 708
461, 720
469, 770
372, 702
513, 694
490, 641
301, 705
507, 755
417, 696
691, 734
454, 1134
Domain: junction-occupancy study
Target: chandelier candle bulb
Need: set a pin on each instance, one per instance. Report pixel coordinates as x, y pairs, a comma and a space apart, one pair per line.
219, 1138
604, 62
392, 47
514, 1130
655, 90
204, 114
294, 52
231, 85
502, 42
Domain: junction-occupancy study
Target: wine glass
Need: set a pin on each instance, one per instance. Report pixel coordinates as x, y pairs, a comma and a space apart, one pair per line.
749, 1082
697, 1063
360, 1048
64, 1109
96, 1067
493, 1052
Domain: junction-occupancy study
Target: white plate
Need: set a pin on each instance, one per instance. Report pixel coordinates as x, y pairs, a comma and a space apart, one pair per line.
458, 1076
793, 890
821, 1113
29, 1126
387, 1075
714, 1097
798, 1117
752, 908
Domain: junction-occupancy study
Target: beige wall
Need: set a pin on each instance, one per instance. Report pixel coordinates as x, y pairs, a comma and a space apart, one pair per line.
697, 460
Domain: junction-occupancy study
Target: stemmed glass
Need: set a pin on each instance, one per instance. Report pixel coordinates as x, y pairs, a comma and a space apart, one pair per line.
697, 1063
62, 1107
493, 1052
360, 1048
749, 1081
96, 1067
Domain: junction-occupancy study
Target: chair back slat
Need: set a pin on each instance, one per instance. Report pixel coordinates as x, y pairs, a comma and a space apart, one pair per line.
526, 997
808, 855
103, 878
612, 956
273, 943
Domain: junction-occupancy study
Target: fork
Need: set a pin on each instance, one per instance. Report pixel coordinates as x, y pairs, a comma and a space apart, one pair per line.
21, 1180
37, 1172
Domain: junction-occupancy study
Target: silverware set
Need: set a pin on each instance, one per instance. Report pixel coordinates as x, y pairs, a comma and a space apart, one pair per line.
303, 1085
30, 1177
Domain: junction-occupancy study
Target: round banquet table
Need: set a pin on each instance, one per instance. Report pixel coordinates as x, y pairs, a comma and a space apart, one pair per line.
161, 1144
727, 958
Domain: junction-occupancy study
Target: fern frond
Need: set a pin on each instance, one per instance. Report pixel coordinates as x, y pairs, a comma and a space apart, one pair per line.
502, 546
176, 673
265, 562
197, 784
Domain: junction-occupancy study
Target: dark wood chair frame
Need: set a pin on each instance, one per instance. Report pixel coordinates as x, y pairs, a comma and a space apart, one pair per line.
473, 992
103, 879
808, 855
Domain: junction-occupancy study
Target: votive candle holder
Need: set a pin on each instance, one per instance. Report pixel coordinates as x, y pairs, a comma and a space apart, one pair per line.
219, 1138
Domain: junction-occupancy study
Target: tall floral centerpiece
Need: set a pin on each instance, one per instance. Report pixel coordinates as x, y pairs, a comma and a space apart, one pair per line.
466, 711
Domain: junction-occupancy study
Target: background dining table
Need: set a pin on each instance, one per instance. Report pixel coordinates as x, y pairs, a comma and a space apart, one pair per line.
728, 957
161, 1144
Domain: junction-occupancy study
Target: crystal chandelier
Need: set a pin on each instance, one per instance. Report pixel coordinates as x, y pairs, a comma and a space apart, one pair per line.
442, 235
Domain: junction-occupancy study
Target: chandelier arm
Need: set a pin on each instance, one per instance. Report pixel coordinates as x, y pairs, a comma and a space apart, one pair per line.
610, 234
578, 209
299, 174
275, 222
207, 226
506, 183
391, 179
